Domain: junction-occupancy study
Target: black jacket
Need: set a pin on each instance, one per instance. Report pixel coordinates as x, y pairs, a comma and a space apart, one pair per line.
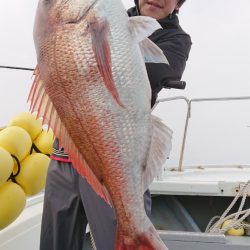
175, 44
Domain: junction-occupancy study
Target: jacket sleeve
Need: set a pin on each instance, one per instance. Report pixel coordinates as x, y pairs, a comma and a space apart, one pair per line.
176, 49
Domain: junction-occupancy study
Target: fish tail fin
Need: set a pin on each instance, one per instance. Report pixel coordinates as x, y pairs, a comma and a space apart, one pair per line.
148, 240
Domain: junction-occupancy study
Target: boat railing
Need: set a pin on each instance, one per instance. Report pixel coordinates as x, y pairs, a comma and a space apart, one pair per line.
189, 103
173, 85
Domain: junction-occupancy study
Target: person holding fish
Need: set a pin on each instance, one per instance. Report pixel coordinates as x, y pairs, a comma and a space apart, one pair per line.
94, 91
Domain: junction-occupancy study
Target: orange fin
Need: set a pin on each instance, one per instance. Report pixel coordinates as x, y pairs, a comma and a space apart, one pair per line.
99, 30
41, 103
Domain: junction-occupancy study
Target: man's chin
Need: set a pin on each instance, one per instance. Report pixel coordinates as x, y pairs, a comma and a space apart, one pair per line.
150, 13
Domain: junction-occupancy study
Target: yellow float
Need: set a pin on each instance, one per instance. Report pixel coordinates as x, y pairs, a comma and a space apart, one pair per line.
6, 165
16, 141
33, 172
12, 203
28, 121
28, 171
44, 142
233, 231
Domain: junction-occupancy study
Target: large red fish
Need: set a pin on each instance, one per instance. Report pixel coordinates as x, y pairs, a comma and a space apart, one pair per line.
91, 87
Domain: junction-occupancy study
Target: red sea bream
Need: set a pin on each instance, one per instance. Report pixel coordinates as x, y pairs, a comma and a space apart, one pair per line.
91, 87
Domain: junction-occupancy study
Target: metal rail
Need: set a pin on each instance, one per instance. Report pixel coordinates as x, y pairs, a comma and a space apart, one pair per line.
188, 115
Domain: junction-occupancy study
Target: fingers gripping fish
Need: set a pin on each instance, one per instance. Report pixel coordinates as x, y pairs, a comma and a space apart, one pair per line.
91, 87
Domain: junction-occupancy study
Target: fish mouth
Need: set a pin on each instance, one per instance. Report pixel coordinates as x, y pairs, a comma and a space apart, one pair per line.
155, 4
82, 13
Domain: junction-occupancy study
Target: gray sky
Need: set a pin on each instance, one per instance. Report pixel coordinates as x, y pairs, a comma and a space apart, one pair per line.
218, 66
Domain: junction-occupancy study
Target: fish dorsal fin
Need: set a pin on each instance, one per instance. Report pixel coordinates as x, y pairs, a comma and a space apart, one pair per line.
99, 30
41, 103
151, 52
142, 27
159, 150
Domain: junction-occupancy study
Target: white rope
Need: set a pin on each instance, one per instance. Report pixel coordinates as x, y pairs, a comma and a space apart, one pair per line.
92, 241
211, 222
245, 225
236, 222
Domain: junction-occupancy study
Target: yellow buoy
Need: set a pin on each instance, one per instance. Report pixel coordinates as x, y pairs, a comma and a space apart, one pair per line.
28, 122
44, 142
33, 173
232, 231
6, 165
12, 203
16, 141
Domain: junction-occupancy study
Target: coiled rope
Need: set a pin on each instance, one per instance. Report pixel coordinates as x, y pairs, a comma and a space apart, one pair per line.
236, 221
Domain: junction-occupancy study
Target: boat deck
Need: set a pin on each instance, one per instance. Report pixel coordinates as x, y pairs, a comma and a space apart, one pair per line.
202, 180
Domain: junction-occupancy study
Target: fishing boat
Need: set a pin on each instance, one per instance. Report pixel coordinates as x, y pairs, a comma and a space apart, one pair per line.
194, 206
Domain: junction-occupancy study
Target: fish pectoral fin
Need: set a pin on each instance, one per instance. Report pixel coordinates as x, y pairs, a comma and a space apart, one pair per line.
159, 150
151, 52
142, 27
99, 30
